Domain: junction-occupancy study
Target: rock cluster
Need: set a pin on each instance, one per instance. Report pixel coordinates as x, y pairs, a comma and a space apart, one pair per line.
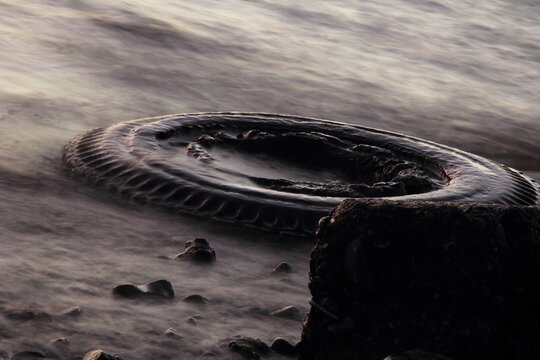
425, 281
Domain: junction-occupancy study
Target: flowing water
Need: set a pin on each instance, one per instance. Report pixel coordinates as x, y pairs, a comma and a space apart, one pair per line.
463, 73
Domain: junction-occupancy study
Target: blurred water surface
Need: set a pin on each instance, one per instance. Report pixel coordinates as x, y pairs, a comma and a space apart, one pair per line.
463, 73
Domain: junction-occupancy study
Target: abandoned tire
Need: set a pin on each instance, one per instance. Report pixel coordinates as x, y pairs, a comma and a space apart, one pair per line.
280, 173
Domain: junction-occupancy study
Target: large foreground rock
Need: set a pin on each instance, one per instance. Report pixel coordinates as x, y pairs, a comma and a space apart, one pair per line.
459, 281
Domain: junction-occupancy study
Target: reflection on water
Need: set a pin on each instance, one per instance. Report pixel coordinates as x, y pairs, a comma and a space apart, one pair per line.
462, 73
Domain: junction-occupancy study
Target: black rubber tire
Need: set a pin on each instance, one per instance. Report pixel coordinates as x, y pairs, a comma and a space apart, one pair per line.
115, 157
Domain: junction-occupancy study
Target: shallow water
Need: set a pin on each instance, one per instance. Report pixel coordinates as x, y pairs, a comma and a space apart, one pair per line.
461, 73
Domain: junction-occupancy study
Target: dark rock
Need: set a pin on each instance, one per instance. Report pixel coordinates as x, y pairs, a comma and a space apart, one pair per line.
26, 315
283, 347
159, 288
191, 321
288, 312
72, 311
100, 355
247, 347
27, 355
128, 291
456, 280
196, 299
416, 355
198, 250
282, 268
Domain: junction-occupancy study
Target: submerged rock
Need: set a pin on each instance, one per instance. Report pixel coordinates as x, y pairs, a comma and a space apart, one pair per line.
72, 311
158, 288
172, 333
26, 314
288, 312
247, 347
100, 355
196, 299
283, 347
282, 268
452, 280
198, 250
61, 341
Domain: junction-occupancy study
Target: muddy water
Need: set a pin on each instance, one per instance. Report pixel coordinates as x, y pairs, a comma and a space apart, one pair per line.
462, 73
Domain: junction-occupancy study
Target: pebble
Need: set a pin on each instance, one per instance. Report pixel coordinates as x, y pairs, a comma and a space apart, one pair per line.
289, 312
198, 250
100, 355
72, 311
195, 299
171, 332
60, 341
282, 268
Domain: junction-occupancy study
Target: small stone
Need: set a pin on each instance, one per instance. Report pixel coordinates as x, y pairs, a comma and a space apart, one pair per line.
289, 312
282, 268
191, 321
283, 347
198, 250
100, 355
195, 299
72, 311
247, 347
206, 140
59, 341
23, 355
26, 315
159, 288
171, 332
